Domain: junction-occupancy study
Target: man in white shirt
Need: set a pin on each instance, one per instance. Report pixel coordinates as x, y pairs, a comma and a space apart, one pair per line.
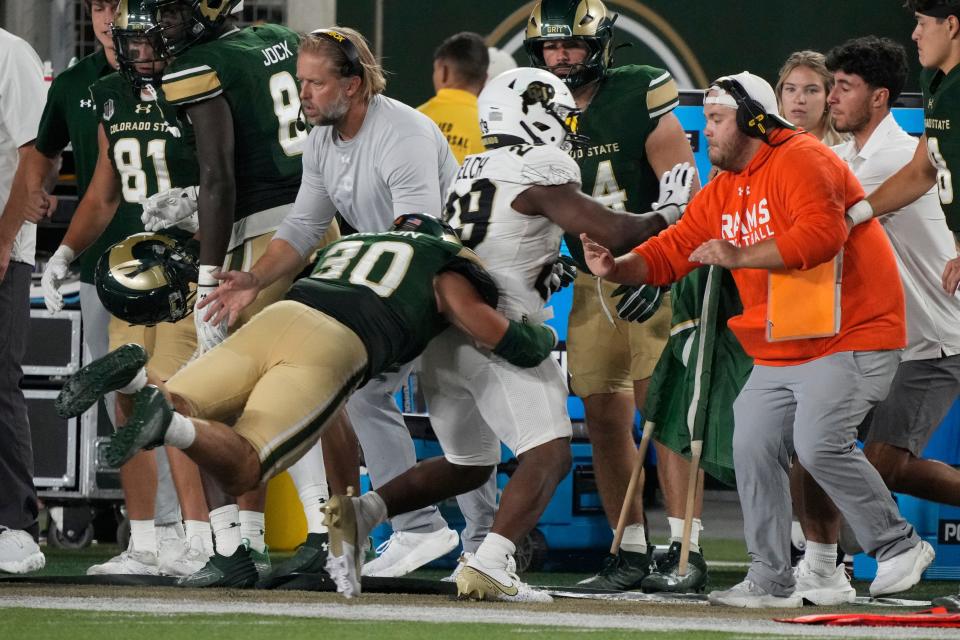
370, 158
869, 74
22, 96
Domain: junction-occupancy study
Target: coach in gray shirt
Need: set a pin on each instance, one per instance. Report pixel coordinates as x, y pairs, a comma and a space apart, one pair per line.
371, 158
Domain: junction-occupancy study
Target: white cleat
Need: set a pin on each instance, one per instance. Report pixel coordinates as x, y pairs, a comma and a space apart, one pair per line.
748, 595
903, 571
477, 581
820, 589
19, 552
347, 544
404, 552
182, 557
128, 563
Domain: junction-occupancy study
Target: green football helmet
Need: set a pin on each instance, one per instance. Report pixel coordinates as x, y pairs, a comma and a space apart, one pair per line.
138, 41
145, 279
425, 223
586, 20
186, 22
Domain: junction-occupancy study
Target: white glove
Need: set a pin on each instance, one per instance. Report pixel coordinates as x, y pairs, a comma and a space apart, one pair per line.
209, 334
55, 273
674, 191
174, 208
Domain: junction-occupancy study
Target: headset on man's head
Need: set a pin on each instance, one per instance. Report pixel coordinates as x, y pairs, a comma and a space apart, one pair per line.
751, 116
353, 66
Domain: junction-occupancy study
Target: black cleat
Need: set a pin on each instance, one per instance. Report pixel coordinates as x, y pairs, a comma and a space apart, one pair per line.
109, 373
622, 572
145, 429
665, 579
237, 571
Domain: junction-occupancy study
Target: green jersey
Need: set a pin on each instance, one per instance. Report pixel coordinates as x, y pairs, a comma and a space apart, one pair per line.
941, 98
255, 70
380, 285
70, 118
149, 150
613, 165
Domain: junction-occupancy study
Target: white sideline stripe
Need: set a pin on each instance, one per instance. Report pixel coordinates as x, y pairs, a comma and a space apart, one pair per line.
510, 615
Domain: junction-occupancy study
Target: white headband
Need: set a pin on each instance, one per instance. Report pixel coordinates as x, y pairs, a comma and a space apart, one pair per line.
722, 98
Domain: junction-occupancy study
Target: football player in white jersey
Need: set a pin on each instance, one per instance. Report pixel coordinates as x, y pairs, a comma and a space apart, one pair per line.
512, 204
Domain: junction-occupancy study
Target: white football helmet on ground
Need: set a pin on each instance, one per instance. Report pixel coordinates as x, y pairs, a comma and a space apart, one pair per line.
528, 106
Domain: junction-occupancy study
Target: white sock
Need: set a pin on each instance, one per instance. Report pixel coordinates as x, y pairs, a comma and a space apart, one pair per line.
820, 557
138, 382
634, 539
170, 530
676, 532
251, 529
225, 523
181, 433
143, 536
495, 551
313, 497
200, 529
371, 509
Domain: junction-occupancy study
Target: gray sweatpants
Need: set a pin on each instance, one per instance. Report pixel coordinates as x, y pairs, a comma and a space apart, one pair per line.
387, 447
96, 321
813, 409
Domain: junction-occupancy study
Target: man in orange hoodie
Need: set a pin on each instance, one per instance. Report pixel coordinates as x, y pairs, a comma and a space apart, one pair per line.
775, 211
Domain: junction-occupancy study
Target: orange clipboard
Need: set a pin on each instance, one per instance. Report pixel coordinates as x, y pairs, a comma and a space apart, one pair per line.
804, 304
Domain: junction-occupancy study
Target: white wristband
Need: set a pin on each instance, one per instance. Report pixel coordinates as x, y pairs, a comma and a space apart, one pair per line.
205, 276
65, 252
860, 212
671, 213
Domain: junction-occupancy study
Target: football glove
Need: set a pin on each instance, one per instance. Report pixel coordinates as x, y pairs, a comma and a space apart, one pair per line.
674, 191
209, 334
564, 272
637, 304
53, 275
173, 208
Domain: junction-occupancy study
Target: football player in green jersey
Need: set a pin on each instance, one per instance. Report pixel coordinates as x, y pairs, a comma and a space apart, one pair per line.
634, 138
141, 151
373, 301
70, 118
937, 35
238, 88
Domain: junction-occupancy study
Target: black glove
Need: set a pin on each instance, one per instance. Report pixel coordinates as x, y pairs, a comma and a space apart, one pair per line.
638, 304
564, 272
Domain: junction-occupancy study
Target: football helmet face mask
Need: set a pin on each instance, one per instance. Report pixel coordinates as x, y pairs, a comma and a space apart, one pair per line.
529, 106
138, 41
425, 223
185, 22
588, 21
145, 279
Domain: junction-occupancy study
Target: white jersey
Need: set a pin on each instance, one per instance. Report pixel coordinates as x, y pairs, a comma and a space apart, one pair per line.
518, 250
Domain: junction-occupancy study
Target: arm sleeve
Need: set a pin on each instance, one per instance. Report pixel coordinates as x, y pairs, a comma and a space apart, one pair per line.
668, 254
412, 172
312, 211
22, 92
814, 202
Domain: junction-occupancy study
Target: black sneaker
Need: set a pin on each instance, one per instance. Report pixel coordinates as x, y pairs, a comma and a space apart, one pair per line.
665, 579
236, 571
145, 429
950, 603
109, 373
622, 572
310, 557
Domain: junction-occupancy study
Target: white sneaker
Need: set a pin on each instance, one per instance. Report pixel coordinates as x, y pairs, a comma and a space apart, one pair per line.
901, 572
748, 595
477, 581
19, 552
820, 589
404, 552
130, 563
461, 563
182, 557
